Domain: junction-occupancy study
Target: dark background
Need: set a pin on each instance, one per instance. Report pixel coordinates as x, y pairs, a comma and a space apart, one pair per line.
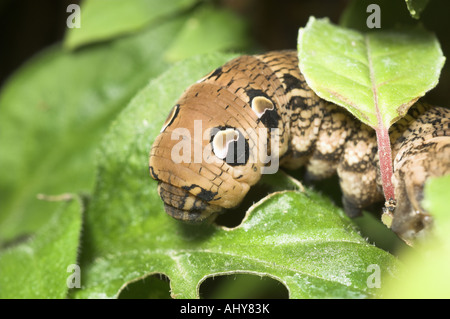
28, 26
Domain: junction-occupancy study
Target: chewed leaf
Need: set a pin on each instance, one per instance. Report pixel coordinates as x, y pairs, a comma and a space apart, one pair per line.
313, 252
376, 76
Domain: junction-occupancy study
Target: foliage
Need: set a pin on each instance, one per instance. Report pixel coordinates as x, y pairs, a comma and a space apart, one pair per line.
91, 132
376, 76
41, 267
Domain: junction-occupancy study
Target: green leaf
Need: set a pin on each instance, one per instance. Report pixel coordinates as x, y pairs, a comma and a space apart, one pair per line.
416, 7
38, 267
424, 272
55, 109
204, 33
437, 191
297, 238
321, 256
105, 20
394, 14
376, 76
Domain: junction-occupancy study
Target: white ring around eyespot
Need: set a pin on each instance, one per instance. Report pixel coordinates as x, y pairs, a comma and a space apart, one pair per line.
220, 148
260, 105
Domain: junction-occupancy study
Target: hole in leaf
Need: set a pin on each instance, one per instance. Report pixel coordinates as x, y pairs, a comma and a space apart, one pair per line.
267, 185
233, 217
242, 286
151, 287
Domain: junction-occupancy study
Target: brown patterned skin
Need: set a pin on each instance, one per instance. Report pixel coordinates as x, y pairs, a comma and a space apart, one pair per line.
421, 146
269, 92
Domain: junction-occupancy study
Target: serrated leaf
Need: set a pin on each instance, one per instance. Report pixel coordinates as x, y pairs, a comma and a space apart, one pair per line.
299, 239
376, 76
319, 256
105, 20
38, 267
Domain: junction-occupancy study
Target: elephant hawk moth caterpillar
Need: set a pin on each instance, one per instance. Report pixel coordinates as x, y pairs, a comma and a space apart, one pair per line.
263, 102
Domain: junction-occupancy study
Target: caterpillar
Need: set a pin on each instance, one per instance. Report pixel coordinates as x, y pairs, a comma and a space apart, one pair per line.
206, 156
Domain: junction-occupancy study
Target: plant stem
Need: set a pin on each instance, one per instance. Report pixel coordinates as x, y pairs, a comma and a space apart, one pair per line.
385, 157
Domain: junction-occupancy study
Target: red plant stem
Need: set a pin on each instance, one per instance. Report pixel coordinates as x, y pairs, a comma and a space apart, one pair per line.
385, 157
384, 143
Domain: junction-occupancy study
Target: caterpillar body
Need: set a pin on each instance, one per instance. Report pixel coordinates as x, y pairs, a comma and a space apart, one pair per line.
232, 107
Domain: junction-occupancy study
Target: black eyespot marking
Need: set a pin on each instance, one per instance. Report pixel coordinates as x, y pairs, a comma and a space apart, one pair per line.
291, 82
252, 93
230, 145
270, 119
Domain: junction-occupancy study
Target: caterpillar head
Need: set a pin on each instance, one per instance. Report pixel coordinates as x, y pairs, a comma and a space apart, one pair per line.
205, 156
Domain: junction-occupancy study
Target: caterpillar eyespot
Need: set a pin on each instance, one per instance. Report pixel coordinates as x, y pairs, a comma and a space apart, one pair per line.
225, 143
260, 105
257, 110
